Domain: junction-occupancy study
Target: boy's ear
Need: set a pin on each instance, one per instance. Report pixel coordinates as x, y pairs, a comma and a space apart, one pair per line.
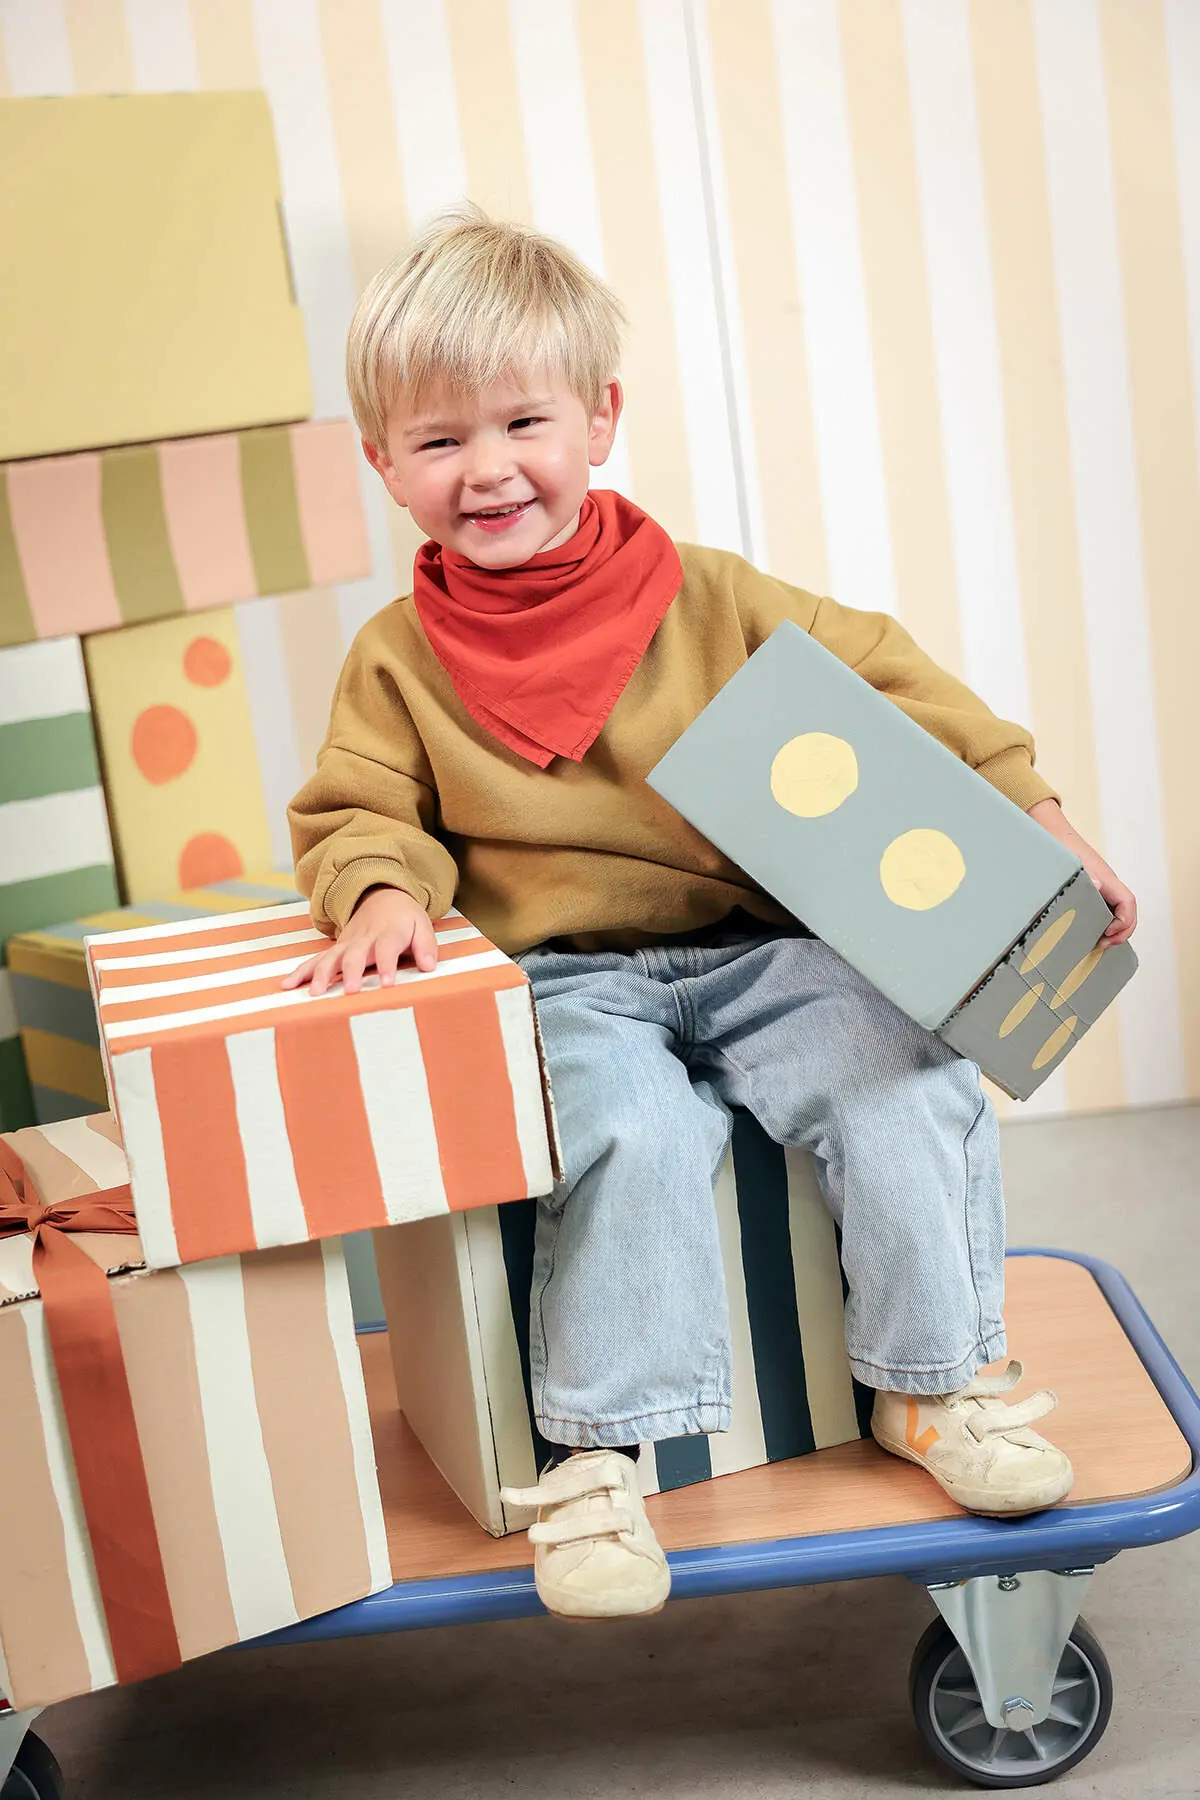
603, 428
386, 471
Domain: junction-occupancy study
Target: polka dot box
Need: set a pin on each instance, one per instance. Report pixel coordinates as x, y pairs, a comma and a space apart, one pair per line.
962, 910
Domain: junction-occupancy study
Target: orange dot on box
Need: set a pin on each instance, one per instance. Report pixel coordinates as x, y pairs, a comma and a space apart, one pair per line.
207, 858
206, 662
163, 743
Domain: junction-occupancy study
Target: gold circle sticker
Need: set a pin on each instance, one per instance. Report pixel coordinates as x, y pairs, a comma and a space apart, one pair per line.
921, 869
813, 774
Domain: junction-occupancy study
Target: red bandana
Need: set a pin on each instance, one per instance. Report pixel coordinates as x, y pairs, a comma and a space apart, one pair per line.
540, 654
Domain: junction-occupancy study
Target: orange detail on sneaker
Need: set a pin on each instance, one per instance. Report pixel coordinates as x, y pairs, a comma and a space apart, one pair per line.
930, 1436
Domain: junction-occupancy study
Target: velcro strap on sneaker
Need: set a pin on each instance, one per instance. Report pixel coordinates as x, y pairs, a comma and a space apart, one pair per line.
610, 1522
988, 1387
995, 1420
571, 1480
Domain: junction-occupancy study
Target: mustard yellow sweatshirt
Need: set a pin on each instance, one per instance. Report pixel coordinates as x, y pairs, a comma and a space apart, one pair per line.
411, 792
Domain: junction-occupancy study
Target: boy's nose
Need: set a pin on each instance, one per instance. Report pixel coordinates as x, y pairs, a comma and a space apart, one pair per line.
489, 465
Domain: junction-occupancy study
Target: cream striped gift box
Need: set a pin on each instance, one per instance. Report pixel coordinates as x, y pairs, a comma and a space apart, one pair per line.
254, 1117
252, 1422
456, 1295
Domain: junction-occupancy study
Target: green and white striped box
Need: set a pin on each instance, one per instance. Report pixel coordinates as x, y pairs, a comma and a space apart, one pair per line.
456, 1298
56, 858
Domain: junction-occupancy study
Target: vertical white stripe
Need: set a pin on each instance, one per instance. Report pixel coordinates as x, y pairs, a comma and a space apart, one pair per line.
164, 50
132, 1079
558, 154
1182, 18
501, 1403
515, 1007
647, 1470
966, 353
689, 271
97, 1156
829, 265
292, 59
743, 1446
81, 1571
264, 665
819, 1306
275, 1204
260, 1587
341, 1330
399, 1114
1099, 414
42, 681
750, 503
432, 166
16, 1268
37, 47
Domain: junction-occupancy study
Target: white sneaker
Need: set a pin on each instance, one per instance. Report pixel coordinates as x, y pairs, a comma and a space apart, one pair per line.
976, 1447
595, 1554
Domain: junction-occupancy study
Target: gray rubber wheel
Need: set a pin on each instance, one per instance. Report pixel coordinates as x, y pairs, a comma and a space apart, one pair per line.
35, 1775
945, 1703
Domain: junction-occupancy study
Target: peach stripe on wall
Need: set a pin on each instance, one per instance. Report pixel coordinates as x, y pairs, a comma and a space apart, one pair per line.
1014, 176
489, 108
55, 504
1146, 194
881, 133
313, 652
635, 258
296, 1380
154, 1322
771, 308
206, 519
100, 50
39, 1629
332, 525
226, 52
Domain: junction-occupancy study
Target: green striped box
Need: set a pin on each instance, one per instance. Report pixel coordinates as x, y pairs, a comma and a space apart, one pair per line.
456, 1297
16, 1101
56, 855
52, 998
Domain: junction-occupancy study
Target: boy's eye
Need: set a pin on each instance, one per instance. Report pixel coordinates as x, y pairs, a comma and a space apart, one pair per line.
437, 443
518, 423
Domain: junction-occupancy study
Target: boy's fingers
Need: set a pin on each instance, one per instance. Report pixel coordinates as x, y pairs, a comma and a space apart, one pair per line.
355, 958
388, 950
424, 944
304, 973
326, 969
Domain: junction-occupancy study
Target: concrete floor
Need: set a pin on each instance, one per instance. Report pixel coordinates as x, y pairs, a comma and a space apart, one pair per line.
745, 1698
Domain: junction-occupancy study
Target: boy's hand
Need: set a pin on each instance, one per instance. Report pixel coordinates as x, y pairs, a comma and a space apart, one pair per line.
1050, 814
383, 925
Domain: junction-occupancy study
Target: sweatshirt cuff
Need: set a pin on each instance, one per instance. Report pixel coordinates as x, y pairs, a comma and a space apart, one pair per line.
351, 883
1012, 773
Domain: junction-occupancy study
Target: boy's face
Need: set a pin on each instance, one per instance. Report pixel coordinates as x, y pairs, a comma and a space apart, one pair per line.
499, 475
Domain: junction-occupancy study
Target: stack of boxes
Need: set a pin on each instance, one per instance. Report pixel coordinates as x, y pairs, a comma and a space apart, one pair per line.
157, 466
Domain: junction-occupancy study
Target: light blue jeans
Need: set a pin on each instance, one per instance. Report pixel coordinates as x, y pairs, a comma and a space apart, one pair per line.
647, 1053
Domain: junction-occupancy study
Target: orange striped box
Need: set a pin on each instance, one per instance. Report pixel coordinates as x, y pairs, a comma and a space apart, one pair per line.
252, 1425
255, 1117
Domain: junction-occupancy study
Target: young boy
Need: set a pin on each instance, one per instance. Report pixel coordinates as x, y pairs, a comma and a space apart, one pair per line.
489, 741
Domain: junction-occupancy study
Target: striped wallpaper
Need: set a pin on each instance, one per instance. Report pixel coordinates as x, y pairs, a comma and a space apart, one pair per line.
914, 287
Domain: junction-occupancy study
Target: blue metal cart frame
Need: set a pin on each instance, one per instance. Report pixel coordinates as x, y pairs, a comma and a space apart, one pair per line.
1009, 1591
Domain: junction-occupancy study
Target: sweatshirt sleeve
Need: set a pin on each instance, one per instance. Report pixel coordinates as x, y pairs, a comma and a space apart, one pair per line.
366, 818
882, 652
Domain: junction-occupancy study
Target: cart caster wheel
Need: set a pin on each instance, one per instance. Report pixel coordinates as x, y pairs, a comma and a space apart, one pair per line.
35, 1775
945, 1703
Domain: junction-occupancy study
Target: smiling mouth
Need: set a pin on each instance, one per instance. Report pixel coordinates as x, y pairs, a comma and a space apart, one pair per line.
495, 518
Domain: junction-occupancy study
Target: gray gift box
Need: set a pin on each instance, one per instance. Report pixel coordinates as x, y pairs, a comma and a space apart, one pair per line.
962, 910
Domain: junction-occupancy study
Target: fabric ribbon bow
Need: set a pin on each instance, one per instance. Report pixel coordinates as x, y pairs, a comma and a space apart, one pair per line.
81, 1322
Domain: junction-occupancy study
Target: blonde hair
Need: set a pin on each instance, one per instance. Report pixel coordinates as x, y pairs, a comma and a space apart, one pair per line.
475, 300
